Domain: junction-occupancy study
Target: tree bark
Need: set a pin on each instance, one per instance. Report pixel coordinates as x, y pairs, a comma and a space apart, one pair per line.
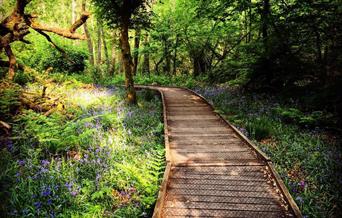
89, 40
105, 49
12, 62
127, 61
113, 58
175, 56
136, 51
146, 63
264, 18
249, 38
167, 66
99, 45
113, 62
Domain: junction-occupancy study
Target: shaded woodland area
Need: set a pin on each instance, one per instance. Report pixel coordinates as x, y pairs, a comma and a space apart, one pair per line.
272, 67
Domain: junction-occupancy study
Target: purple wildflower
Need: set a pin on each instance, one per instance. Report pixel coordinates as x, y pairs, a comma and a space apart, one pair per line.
21, 163
302, 184
73, 193
49, 202
45, 163
9, 145
300, 200
37, 205
69, 185
46, 192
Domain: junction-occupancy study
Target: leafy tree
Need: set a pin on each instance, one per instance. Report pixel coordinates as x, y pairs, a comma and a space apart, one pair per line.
16, 26
124, 14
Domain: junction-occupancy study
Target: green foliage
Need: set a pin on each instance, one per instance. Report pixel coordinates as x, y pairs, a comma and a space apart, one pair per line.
22, 78
259, 128
135, 12
9, 99
45, 57
293, 115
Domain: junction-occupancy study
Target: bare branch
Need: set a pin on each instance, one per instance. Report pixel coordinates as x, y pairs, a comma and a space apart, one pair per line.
12, 62
50, 40
79, 22
58, 31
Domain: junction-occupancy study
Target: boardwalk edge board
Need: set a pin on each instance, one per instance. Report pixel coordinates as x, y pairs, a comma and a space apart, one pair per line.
275, 176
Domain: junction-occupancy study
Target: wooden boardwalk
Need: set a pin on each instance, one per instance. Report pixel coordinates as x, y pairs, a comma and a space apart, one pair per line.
212, 169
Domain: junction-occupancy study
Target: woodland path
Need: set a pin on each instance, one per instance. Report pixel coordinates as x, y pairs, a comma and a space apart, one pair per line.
213, 170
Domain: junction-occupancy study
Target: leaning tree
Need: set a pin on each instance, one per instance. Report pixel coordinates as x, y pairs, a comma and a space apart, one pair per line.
18, 24
125, 14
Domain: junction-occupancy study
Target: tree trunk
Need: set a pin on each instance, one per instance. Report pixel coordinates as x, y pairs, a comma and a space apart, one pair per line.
146, 64
175, 56
136, 51
167, 66
113, 58
265, 19
105, 49
99, 45
249, 37
89, 41
127, 61
199, 63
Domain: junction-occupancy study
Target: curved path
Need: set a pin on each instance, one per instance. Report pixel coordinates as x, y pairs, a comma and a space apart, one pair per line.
213, 170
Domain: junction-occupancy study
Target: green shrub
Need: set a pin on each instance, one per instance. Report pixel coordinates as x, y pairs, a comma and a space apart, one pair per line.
293, 115
260, 128
45, 57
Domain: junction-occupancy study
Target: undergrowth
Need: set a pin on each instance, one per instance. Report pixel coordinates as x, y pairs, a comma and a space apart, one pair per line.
93, 157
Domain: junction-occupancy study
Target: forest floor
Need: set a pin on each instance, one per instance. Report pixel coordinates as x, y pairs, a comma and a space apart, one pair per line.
92, 156
50, 154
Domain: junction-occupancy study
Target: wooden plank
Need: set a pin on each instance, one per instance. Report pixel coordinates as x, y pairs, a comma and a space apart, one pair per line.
222, 199
222, 206
170, 212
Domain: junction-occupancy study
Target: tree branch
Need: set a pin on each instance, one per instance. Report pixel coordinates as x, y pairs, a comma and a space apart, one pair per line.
79, 22
20, 7
58, 31
70, 34
12, 62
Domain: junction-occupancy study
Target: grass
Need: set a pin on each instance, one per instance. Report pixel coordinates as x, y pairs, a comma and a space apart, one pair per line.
93, 157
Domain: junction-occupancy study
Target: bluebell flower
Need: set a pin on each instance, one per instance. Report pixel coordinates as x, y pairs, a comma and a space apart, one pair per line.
21, 162
52, 214
45, 163
69, 185
49, 202
299, 200
46, 192
37, 205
